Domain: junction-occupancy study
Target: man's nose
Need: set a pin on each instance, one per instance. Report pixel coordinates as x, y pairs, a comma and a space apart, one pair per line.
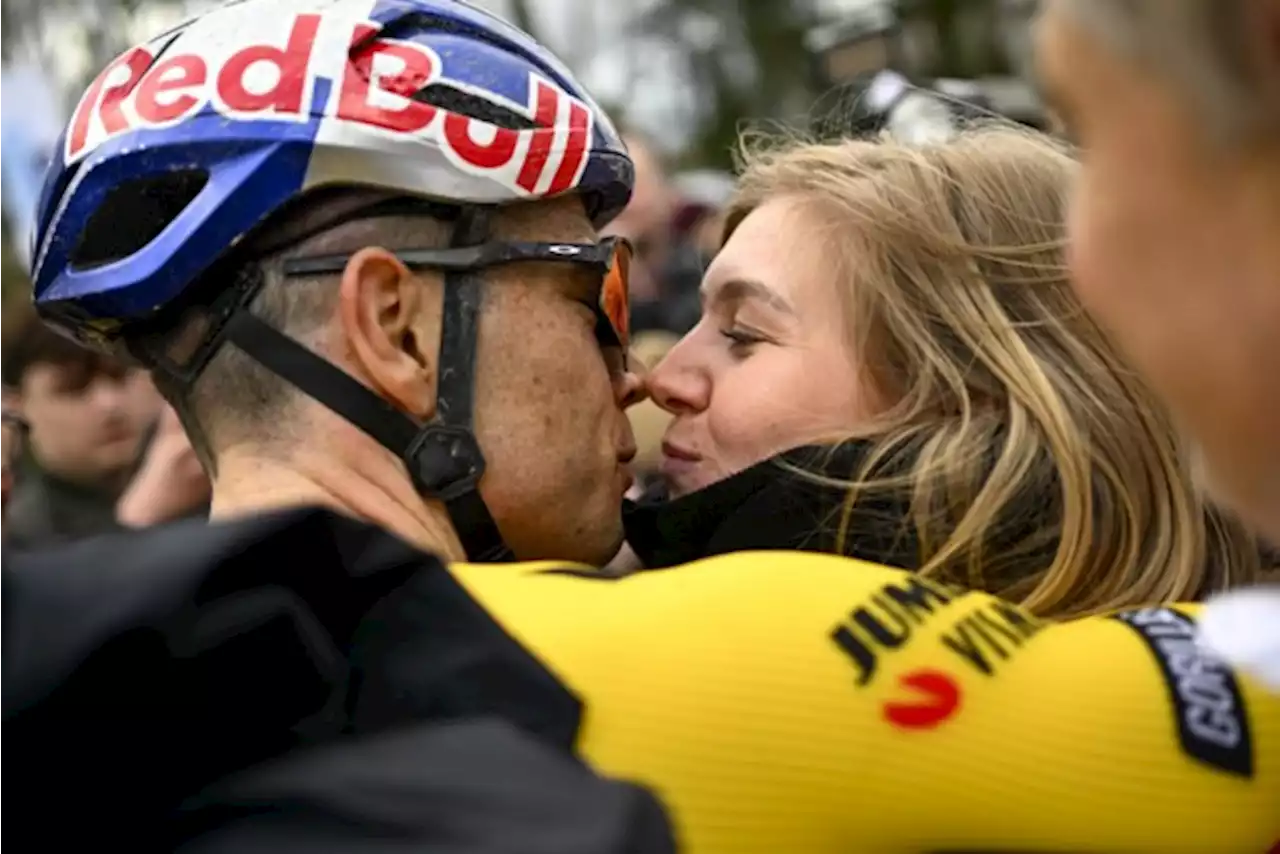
628, 384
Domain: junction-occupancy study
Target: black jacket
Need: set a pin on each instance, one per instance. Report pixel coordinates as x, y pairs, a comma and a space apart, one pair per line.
268, 685
771, 506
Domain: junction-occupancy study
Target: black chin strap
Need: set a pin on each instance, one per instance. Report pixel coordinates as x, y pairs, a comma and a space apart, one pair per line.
442, 457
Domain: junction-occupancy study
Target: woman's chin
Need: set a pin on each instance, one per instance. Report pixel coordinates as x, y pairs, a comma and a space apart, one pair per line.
681, 477
673, 488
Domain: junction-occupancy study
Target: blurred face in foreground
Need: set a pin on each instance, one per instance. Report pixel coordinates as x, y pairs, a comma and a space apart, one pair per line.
1175, 221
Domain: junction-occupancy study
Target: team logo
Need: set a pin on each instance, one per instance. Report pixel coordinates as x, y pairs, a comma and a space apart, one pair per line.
1213, 727
934, 699
374, 87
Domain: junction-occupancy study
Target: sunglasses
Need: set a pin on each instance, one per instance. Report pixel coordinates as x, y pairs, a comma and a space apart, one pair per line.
611, 257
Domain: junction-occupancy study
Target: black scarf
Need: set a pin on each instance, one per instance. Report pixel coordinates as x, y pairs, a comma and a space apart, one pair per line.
771, 507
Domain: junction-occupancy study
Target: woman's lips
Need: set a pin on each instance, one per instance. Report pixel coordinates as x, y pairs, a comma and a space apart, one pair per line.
680, 467
676, 451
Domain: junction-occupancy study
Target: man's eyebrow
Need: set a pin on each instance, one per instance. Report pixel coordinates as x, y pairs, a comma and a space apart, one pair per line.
740, 290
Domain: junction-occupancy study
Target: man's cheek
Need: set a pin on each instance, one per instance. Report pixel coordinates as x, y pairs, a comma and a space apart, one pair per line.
1086, 252
1108, 233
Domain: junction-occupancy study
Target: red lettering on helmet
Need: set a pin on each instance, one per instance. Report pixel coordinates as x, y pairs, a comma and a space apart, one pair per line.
109, 113
490, 155
547, 104
378, 86
575, 150
166, 93
286, 94
362, 79
106, 106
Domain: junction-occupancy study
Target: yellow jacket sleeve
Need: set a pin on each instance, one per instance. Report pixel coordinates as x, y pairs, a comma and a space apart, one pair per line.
795, 702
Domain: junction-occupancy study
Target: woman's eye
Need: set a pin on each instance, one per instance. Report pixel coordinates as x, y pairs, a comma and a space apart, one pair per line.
740, 338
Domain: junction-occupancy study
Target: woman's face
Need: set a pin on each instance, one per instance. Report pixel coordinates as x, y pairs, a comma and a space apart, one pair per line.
769, 367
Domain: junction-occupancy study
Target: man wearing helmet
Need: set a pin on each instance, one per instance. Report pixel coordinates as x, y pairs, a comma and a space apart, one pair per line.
356, 242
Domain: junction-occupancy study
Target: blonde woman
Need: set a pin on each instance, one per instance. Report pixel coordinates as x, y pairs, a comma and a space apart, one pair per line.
903, 312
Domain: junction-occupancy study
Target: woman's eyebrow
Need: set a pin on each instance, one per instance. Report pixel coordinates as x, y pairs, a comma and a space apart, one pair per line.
741, 290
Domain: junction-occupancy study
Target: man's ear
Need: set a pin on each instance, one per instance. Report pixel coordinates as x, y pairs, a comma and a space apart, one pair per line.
391, 322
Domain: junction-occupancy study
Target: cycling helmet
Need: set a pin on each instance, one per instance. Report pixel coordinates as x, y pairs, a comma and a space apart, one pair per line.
183, 148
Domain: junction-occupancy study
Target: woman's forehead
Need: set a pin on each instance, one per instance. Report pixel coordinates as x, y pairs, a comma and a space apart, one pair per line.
779, 245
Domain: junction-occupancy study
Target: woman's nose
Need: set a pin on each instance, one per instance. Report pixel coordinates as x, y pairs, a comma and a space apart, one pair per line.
677, 385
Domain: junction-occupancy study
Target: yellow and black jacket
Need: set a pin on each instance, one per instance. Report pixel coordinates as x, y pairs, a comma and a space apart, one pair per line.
304, 682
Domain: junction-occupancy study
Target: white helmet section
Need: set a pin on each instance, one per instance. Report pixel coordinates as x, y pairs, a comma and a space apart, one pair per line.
282, 60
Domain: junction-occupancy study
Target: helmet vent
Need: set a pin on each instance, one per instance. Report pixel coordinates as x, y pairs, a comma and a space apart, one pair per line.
442, 95
133, 214
453, 100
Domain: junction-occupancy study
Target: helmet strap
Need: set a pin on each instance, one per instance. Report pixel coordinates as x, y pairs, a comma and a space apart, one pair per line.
442, 456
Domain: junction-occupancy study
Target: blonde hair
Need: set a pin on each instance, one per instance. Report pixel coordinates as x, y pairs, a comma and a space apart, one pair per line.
1036, 465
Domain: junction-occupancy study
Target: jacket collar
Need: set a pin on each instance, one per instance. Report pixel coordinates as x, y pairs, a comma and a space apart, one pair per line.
771, 506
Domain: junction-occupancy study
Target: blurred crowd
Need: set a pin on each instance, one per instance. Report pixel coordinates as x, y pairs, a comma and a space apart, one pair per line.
89, 446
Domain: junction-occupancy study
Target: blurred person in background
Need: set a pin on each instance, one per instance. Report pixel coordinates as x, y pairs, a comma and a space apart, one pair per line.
646, 224
89, 417
696, 225
698, 221
904, 309
15, 430
673, 223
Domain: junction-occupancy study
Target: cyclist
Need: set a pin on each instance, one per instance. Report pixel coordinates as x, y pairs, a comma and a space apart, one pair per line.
357, 247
